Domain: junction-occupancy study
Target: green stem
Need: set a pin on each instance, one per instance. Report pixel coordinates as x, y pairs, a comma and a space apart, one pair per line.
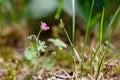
73, 25
39, 34
35, 66
59, 10
75, 51
93, 57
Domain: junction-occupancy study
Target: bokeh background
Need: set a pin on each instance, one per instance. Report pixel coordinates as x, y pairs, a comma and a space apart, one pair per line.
21, 18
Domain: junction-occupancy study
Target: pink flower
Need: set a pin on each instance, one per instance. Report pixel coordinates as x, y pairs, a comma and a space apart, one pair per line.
44, 26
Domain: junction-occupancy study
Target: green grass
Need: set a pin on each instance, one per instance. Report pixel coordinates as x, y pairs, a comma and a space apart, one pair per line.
86, 36
101, 39
106, 48
93, 55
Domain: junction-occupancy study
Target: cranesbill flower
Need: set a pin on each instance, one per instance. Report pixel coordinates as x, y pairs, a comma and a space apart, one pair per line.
44, 26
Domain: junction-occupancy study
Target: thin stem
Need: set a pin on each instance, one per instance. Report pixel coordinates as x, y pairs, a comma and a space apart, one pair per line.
73, 24
35, 65
75, 51
93, 57
39, 34
73, 27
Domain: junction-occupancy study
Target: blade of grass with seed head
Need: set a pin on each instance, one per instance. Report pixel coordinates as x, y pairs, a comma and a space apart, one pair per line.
66, 33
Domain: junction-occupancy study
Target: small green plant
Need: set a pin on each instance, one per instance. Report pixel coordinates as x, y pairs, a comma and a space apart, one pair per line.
32, 53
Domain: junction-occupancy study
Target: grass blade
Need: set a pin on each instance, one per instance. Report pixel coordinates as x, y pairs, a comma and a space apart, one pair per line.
101, 26
59, 10
100, 41
111, 22
106, 48
73, 24
86, 36
87, 30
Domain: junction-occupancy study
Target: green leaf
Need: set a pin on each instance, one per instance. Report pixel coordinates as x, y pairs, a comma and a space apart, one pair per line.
41, 46
94, 20
58, 43
30, 53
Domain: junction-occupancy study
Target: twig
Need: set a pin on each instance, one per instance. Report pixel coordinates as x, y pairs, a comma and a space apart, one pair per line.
60, 76
66, 73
